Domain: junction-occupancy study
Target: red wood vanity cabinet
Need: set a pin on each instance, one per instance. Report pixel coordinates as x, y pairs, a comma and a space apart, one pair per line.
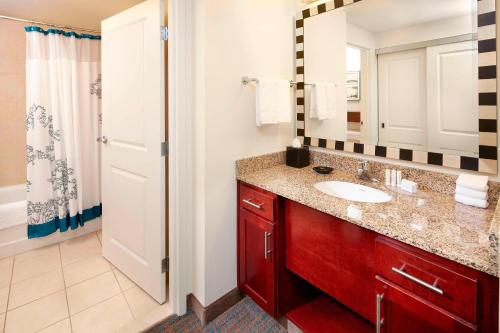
261, 260
421, 292
391, 284
256, 251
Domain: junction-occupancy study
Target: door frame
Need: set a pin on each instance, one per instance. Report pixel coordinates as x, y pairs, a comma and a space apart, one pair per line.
180, 158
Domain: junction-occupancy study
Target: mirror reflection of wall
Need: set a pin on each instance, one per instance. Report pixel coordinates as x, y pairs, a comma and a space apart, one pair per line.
404, 72
325, 61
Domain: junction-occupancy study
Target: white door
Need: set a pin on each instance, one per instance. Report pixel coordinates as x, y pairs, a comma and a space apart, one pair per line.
452, 85
402, 99
133, 170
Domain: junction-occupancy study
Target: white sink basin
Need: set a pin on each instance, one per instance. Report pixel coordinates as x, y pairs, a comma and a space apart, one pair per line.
353, 192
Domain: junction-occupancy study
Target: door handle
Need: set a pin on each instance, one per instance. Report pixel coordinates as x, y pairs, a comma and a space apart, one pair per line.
267, 252
102, 139
379, 321
410, 277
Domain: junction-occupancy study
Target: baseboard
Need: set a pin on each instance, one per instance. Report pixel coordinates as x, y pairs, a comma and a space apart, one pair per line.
212, 311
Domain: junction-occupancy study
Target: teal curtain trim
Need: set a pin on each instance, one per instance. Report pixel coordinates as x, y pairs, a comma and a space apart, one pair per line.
60, 32
65, 223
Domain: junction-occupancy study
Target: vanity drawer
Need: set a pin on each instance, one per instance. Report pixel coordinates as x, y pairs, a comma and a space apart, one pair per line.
258, 201
447, 285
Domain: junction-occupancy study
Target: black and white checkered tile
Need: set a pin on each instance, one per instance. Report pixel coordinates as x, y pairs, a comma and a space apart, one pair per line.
487, 160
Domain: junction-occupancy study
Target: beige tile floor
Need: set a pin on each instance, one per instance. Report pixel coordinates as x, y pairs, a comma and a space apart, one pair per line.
70, 287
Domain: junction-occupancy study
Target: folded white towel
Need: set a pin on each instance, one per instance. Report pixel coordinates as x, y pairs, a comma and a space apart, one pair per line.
323, 101
273, 101
471, 201
473, 182
483, 195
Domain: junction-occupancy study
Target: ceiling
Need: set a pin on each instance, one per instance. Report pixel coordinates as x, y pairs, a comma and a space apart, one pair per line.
86, 14
383, 15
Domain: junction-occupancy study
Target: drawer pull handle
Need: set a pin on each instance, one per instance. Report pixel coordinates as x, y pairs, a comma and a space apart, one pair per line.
267, 252
379, 321
249, 202
410, 277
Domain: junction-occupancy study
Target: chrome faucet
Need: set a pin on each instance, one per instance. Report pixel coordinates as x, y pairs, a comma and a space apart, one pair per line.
364, 171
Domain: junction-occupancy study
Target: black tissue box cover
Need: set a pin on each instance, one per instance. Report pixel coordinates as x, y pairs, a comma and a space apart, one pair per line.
297, 157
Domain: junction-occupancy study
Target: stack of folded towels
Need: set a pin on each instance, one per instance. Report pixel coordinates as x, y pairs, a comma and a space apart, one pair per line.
472, 190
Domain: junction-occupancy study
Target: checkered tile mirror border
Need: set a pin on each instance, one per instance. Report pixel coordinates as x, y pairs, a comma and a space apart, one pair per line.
487, 160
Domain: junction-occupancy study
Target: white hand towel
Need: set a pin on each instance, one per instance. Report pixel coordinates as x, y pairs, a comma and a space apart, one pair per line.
471, 201
473, 182
317, 100
483, 195
273, 101
323, 100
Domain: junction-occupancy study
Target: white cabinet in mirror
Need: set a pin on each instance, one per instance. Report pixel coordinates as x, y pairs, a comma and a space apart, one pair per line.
400, 74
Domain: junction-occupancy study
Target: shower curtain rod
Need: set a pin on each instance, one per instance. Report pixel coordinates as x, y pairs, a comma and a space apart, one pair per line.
48, 24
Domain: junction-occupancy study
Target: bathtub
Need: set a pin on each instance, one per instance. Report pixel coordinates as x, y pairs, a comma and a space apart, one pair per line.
13, 225
12, 206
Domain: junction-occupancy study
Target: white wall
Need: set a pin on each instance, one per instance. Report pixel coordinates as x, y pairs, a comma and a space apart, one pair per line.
234, 38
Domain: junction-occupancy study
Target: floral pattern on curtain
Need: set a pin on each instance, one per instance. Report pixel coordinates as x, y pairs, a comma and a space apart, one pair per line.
63, 93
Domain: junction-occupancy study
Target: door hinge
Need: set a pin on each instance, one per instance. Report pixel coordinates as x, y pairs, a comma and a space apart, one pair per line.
164, 148
165, 263
164, 32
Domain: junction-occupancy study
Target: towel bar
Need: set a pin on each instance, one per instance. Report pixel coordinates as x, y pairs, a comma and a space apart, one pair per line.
246, 80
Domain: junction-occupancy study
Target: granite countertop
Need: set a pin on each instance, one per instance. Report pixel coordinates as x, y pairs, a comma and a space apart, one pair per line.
428, 220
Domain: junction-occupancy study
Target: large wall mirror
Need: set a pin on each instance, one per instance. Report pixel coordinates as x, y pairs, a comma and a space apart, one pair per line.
403, 79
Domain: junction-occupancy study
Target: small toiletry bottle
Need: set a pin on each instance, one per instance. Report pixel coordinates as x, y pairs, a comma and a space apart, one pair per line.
399, 177
387, 177
393, 177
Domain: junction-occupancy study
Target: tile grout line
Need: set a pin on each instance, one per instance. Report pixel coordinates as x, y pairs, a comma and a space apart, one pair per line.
104, 300
123, 293
99, 239
65, 289
69, 315
8, 295
36, 249
89, 278
37, 275
75, 284
57, 322
31, 277
90, 307
36, 299
58, 245
20, 306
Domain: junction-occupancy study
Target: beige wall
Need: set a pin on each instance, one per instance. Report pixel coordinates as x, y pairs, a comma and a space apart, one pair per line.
234, 38
12, 103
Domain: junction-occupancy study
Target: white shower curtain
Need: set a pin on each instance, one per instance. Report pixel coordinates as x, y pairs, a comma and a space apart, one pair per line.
63, 94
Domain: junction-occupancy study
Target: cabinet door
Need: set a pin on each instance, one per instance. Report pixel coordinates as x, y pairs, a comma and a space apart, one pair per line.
333, 255
402, 311
256, 259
